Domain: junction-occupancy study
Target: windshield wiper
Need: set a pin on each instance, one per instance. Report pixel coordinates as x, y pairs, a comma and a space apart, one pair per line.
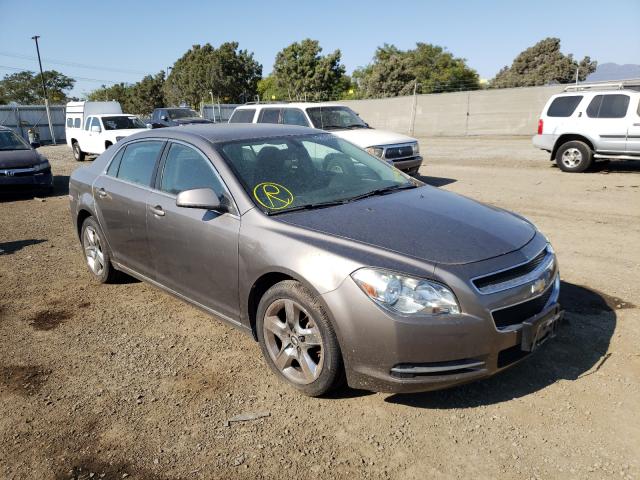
310, 206
332, 127
382, 191
355, 125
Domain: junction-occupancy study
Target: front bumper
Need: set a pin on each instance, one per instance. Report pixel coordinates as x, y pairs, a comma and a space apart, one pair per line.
406, 164
40, 179
387, 352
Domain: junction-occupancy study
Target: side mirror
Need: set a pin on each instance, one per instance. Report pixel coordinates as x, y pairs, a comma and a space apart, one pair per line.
164, 118
204, 198
95, 129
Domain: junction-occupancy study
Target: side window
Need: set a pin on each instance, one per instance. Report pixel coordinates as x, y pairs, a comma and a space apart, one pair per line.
138, 162
294, 116
186, 169
87, 123
269, 115
69, 122
112, 171
564, 106
76, 123
96, 123
608, 106
244, 115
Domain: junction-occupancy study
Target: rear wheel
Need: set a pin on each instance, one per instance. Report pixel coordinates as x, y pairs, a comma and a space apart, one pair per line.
574, 156
298, 340
78, 154
96, 252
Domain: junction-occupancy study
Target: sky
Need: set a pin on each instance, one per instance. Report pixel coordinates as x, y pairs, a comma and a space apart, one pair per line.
112, 41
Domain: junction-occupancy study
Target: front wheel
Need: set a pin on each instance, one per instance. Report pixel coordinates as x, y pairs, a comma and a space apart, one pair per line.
298, 340
78, 154
574, 157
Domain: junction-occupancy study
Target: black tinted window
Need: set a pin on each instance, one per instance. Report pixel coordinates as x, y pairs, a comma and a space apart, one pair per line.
608, 106
138, 162
294, 116
87, 122
242, 116
269, 115
564, 106
69, 122
186, 169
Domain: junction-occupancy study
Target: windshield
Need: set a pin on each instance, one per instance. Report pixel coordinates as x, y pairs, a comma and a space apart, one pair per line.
11, 141
308, 171
334, 118
181, 113
122, 122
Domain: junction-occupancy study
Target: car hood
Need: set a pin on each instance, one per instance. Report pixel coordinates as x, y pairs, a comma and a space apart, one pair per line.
19, 158
425, 223
191, 120
369, 137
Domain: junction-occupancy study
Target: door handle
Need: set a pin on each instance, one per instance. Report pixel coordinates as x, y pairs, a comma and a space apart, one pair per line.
157, 210
102, 193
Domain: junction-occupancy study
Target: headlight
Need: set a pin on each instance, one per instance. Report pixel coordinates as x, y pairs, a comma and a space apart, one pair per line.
375, 151
404, 294
41, 166
416, 148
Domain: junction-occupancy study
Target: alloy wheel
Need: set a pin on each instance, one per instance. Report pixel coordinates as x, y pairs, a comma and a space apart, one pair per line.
93, 251
571, 157
293, 341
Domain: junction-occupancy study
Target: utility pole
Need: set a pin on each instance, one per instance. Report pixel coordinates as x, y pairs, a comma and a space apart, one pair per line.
577, 71
414, 106
44, 90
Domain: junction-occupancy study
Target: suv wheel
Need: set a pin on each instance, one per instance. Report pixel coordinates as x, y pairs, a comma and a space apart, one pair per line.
298, 340
574, 156
77, 153
96, 252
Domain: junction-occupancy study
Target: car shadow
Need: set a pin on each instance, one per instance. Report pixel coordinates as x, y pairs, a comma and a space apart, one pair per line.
11, 193
7, 248
579, 349
435, 181
610, 166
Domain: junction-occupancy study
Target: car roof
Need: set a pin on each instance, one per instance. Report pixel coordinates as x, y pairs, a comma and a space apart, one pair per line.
289, 105
226, 132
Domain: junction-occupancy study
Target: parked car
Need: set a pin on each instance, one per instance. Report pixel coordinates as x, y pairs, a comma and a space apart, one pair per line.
92, 127
173, 117
359, 271
402, 151
20, 163
591, 122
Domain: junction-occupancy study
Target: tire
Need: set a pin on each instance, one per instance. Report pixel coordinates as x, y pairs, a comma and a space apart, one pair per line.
297, 339
413, 171
107, 145
92, 237
78, 154
574, 157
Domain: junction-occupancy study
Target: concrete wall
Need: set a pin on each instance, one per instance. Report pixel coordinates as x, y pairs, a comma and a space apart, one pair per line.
510, 111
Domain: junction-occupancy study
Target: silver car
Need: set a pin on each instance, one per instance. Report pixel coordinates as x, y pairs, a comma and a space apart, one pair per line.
341, 266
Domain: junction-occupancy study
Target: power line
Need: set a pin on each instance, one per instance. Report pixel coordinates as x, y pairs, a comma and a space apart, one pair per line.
84, 79
73, 64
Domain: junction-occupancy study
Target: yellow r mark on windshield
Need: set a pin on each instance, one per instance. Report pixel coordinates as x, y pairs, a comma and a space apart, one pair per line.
272, 196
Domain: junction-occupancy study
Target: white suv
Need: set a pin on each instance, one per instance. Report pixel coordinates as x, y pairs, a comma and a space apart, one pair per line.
401, 151
591, 122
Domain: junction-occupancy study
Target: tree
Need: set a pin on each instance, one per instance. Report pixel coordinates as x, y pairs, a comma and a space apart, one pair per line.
26, 87
147, 94
304, 73
395, 72
229, 73
542, 64
268, 90
120, 92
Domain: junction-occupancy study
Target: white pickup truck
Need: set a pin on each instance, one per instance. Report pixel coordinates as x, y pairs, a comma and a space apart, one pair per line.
92, 127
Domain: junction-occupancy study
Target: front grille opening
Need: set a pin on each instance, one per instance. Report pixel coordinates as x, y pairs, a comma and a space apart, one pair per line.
517, 314
510, 355
398, 152
512, 273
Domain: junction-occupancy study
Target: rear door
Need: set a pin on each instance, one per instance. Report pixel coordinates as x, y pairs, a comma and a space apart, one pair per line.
605, 121
633, 133
194, 251
121, 194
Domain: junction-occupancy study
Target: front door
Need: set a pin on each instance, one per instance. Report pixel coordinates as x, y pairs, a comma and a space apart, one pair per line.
121, 196
194, 251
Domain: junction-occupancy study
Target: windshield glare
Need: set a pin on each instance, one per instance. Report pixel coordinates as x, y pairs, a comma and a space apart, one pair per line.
121, 123
332, 118
306, 170
181, 113
11, 141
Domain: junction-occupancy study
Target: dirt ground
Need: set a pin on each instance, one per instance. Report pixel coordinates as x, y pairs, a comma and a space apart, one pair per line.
124, 381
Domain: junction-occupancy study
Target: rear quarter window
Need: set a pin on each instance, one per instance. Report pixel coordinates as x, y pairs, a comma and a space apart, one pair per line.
564, 106
243, 116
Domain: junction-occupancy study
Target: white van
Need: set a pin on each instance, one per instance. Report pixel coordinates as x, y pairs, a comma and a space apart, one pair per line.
401, 151
92, 127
